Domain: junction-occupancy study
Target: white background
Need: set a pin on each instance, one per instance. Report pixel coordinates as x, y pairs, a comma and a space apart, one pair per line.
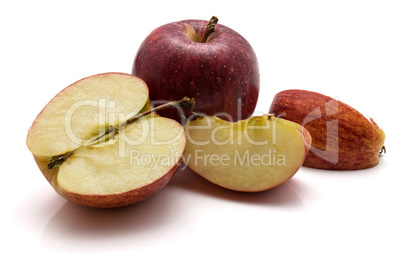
350, 50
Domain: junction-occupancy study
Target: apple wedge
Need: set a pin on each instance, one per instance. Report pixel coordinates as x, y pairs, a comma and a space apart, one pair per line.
342, 137
97, 147
251, 155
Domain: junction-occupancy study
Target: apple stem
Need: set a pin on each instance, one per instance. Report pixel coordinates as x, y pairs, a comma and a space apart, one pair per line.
210, 29
383, 150
185, 103
59, 159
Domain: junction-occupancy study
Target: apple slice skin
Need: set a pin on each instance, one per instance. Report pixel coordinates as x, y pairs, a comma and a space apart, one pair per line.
265, 180
222, 74
105, 201
123, 199
342, 138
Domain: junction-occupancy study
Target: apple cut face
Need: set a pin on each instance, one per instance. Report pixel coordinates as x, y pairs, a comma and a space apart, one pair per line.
85, 109
250, 155
126, 167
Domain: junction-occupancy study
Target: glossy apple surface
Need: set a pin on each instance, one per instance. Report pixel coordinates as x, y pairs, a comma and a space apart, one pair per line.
221, 74
101, 168
342, 137
251, 155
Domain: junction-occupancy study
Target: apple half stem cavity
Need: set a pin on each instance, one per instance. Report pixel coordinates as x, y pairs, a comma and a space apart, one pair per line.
109, 134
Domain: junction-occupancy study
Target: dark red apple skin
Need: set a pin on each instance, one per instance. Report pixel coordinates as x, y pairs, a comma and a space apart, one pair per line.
222, 75
353, 142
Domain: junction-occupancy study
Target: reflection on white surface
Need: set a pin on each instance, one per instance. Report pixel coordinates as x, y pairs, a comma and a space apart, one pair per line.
81, 229
317, 213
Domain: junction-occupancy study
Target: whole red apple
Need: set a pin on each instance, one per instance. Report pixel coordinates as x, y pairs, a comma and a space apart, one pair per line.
199, 59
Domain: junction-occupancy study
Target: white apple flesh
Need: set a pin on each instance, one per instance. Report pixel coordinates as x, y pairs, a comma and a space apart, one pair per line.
113, 169
250, 155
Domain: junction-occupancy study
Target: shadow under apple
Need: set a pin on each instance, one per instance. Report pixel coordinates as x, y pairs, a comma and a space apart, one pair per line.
283, 195
81, 229
76, 228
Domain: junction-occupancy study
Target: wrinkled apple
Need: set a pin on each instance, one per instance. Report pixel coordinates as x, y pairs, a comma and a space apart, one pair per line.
342, 138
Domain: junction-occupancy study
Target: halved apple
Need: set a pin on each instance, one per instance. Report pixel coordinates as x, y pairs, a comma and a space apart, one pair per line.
94, 148
251, 155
